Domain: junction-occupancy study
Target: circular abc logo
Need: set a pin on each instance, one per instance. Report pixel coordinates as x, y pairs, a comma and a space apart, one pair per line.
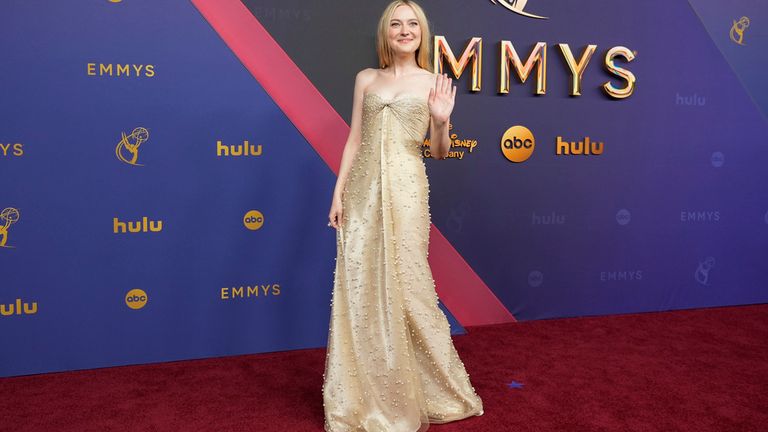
623, 217
535, 278
136, 299
253, 220
517, 144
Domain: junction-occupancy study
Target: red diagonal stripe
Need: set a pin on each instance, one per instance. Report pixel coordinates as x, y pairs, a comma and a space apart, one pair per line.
459, 288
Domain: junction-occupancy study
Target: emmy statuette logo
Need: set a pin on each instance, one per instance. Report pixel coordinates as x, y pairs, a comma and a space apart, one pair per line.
136, 299
517, 7
517, 144
737, 30
8, 217
702, 271
127, 149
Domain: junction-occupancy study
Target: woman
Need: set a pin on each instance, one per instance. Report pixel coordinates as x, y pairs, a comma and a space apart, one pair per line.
391, 365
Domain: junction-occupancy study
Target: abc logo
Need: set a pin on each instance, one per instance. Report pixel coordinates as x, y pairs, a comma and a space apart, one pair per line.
535, 278
623, 217
517, 144
136, 299
253, 220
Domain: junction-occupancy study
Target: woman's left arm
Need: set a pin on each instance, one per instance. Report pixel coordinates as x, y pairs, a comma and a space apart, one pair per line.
441, 101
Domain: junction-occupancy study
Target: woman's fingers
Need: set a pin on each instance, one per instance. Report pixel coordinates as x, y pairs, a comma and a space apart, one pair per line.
443, 86
334, 219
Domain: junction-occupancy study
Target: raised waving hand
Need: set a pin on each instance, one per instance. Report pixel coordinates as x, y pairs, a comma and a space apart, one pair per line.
441, 99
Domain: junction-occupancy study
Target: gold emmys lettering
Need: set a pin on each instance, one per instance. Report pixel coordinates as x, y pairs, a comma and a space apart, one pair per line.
509, 60
8, 217
12, 149
248, 291
130, 144
120, 70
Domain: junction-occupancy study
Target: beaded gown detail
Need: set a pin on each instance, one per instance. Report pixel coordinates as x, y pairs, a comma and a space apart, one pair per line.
391, 365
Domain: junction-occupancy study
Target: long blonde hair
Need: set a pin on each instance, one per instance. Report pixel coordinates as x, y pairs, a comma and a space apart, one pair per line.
423, 53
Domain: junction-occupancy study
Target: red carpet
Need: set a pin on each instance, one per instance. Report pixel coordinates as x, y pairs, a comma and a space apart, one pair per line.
699, 370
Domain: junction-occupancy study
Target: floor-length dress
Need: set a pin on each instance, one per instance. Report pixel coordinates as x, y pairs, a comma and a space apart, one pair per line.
391, 365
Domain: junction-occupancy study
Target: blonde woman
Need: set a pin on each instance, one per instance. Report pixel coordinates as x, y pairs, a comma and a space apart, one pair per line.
391, 365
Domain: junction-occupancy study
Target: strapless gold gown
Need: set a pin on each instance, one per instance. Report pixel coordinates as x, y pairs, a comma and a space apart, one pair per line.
391, 365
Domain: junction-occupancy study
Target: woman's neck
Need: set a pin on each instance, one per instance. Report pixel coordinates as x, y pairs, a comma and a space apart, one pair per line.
404, 65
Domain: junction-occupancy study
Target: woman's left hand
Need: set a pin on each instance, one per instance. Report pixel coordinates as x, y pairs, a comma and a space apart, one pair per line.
441, 99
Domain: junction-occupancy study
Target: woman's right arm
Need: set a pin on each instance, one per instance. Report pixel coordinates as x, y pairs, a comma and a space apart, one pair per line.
362, 80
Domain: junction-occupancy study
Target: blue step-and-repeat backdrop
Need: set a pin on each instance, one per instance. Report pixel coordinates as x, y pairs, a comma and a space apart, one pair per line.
157, 203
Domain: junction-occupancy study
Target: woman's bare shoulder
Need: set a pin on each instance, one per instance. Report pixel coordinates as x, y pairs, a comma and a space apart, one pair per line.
365, 78
429, 77
367, 74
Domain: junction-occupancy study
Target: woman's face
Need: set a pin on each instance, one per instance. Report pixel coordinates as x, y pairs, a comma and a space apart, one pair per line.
404, 31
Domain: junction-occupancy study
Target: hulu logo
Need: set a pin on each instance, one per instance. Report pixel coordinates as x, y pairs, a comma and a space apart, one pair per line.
585, 147
141, 226
18, 308
243, 149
